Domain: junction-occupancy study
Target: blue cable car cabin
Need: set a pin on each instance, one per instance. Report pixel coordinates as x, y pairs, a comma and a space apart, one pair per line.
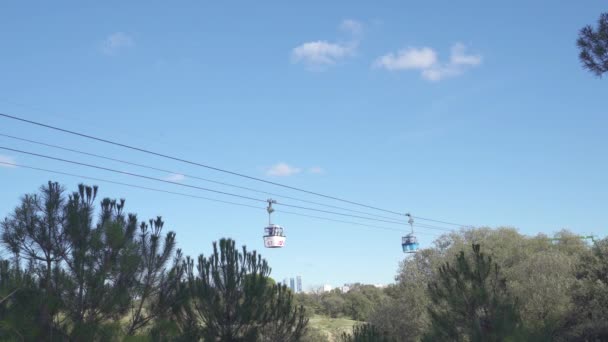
409, 243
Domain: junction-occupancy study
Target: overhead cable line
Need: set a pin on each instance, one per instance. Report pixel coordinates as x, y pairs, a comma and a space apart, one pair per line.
126, 184
355, 216
424, 225
131, 174
139, 149
195, 196
349, 222
134, 148
193, 186
63, 148
438, 221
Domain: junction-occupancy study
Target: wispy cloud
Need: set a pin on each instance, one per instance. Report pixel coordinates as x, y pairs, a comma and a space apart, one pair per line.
351, 26
175, 177
320, 54
316, 170
283, 170
410, 58
7, 159
460, 57
425, 60
116, 42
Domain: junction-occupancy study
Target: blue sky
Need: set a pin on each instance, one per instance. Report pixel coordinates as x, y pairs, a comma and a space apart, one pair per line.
469, 111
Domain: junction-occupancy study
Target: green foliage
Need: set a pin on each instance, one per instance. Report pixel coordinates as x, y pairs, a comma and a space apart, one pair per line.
333, 304
331, 329
593, 45
18, 299
471, 301
310, 301
314, 335
404, 317
233, 300
365, 333
228, 293
539, 271
589, 317
358, 303
358, 306
157, 288
80, 273
543, 282
285, 321
86, 276
362, 300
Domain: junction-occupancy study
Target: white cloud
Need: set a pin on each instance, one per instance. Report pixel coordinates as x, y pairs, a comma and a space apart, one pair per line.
321, 53
316, 170
175, 177
425, 59
351, 26
437, 72
459, 57
410, 58
7, 159
115, 42
282, 170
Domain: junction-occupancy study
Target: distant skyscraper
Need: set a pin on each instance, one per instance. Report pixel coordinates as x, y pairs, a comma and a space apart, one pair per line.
292, 284
299, 283
285, 282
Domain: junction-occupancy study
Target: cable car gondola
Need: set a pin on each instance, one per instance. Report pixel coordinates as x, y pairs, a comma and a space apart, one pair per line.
274, 236
409, 243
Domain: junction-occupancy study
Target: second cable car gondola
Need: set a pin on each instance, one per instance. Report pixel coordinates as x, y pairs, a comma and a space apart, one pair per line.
274, 236
409, 242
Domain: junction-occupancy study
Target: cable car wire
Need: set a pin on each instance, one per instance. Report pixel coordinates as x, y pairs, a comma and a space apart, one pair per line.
194, 186
424, 225
348, 222
134, 148
127, 184
197, 197
438, 221
354, 216
63, 148
131, 174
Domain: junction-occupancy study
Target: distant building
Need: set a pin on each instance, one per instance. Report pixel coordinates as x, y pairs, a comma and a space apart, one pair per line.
299, 284
327, 288
285, 282
292, 284
345, 288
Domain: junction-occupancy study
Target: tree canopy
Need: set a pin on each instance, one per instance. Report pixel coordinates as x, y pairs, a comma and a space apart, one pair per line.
84, 269
77, 273
471, 301
593, 46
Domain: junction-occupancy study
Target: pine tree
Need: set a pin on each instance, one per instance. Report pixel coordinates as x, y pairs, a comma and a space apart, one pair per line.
34, 233
365, 333
589, 317
157, 288
593, 45
19, 303
233, 299
470, 302
286, 321
88, 275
